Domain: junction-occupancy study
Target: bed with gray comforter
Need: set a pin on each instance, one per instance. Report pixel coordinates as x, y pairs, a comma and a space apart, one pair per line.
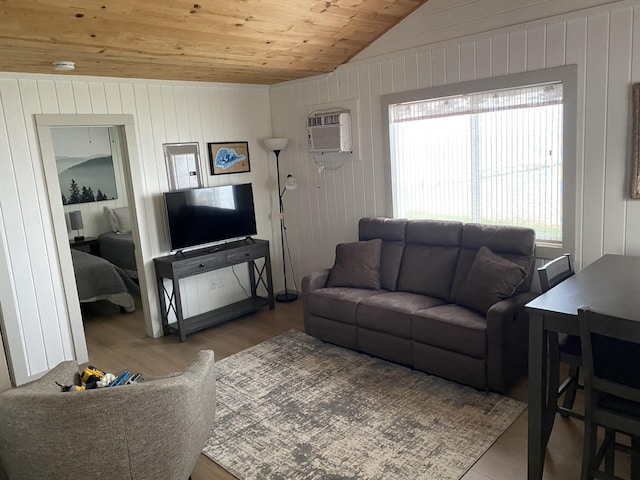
119, 249
99, 279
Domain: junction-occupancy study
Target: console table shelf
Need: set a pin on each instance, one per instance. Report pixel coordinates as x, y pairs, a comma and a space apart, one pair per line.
175, 267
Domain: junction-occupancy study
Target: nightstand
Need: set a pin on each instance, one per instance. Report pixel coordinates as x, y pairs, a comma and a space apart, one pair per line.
88, 244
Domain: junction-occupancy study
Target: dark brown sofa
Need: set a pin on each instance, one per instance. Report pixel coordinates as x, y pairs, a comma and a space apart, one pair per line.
442, 304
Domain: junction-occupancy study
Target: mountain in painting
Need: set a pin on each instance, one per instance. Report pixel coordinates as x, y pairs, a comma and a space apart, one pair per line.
95, 173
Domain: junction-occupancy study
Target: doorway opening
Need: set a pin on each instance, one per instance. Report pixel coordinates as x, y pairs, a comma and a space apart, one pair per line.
88, 162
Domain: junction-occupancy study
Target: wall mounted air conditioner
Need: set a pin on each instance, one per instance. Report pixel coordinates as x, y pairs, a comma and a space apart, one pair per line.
329, 132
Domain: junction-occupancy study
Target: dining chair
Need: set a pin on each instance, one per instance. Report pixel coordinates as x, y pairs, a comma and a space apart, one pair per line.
610, 354
563, 348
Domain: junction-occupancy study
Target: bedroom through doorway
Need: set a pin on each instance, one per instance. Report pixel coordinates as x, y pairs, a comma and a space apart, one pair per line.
90, 187
91, 172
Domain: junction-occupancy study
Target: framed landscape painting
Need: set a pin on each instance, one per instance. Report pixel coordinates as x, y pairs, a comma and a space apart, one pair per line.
229, 157
85, 164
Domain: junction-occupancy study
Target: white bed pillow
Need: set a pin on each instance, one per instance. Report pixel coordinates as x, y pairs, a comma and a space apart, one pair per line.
119, 219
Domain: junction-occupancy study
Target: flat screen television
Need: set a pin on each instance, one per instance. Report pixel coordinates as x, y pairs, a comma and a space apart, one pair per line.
202, 216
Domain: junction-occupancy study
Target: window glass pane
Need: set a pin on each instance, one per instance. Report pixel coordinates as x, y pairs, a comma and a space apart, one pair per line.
490, 157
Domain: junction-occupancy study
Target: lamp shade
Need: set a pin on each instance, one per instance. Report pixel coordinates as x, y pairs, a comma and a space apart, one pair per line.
274, 144
291, 183
75, 220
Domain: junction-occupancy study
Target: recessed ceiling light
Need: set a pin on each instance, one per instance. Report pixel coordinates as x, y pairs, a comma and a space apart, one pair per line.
64, 66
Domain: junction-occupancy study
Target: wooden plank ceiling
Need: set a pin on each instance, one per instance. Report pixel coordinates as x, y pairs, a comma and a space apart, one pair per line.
237, 41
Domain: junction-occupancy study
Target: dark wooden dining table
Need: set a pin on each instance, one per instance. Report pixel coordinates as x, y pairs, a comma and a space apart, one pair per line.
610, 285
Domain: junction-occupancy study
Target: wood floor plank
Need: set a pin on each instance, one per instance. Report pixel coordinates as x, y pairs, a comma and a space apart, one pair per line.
118, 342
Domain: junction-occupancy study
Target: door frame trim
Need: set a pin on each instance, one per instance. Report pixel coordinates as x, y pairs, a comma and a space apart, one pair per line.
133, 176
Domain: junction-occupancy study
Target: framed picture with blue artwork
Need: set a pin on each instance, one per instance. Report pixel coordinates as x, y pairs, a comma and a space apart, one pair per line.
229, 157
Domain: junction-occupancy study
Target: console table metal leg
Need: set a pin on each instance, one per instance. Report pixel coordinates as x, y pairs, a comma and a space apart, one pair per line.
251, 265
178, 307
267, 265
164, 310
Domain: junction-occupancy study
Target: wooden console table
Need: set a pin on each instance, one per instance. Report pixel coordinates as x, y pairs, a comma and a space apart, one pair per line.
179, 266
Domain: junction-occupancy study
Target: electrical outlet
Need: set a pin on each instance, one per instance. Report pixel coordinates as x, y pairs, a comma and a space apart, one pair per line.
212, 284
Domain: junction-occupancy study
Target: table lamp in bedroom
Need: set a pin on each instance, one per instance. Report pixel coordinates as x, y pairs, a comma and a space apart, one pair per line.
75, 220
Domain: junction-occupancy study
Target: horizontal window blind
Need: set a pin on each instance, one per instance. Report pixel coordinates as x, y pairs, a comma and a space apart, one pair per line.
491, 157
479, 102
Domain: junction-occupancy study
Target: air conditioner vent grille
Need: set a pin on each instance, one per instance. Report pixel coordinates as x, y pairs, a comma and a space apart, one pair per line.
329, 132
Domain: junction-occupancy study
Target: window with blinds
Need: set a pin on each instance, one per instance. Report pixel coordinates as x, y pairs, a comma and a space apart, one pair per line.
493, 157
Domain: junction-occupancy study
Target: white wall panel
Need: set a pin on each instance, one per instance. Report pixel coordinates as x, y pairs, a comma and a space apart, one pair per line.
576, 43
595, 136
452, 63
411, 73
555, 43
81, 96
98, 98
467, 61
499, 55
66, 100
399, 74
445, 20
35, 312
182, 114
16, 210
536, 47
602, 39
618, 114
438, 68
48, 98
112, 98
632, 225
483, 58
517, 51
425, 78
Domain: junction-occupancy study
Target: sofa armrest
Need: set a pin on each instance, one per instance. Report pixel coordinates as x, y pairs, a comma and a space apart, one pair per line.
311, 282
315, 280
507, 341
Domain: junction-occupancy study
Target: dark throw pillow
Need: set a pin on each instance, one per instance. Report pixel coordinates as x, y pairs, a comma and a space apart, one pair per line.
357, 265
490, 279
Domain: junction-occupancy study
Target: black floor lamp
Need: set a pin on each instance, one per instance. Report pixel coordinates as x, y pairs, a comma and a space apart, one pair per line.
276, 145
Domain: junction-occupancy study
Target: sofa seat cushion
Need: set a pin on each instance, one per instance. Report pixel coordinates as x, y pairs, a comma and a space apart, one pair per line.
338, 303
453, 328
391, 312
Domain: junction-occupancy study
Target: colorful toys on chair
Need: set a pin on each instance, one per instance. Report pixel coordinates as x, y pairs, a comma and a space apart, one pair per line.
92, 377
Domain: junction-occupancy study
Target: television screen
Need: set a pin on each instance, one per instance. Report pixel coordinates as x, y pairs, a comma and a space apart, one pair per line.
202, 216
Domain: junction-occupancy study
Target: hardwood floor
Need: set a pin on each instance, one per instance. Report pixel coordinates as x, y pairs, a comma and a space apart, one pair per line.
119, 342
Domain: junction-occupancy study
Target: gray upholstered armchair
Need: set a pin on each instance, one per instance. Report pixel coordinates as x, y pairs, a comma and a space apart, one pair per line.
152, 430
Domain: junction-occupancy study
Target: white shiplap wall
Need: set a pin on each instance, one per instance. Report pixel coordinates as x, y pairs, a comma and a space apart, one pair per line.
36, 326
604, 42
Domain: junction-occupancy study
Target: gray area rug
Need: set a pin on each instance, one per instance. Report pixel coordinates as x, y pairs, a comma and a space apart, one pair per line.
294, 407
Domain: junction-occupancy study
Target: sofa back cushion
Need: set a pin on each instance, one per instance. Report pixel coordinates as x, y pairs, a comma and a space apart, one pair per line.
430, 257
392, 233
516, 244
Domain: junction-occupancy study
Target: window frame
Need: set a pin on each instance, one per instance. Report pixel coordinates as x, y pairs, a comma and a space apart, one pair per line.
568, 75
